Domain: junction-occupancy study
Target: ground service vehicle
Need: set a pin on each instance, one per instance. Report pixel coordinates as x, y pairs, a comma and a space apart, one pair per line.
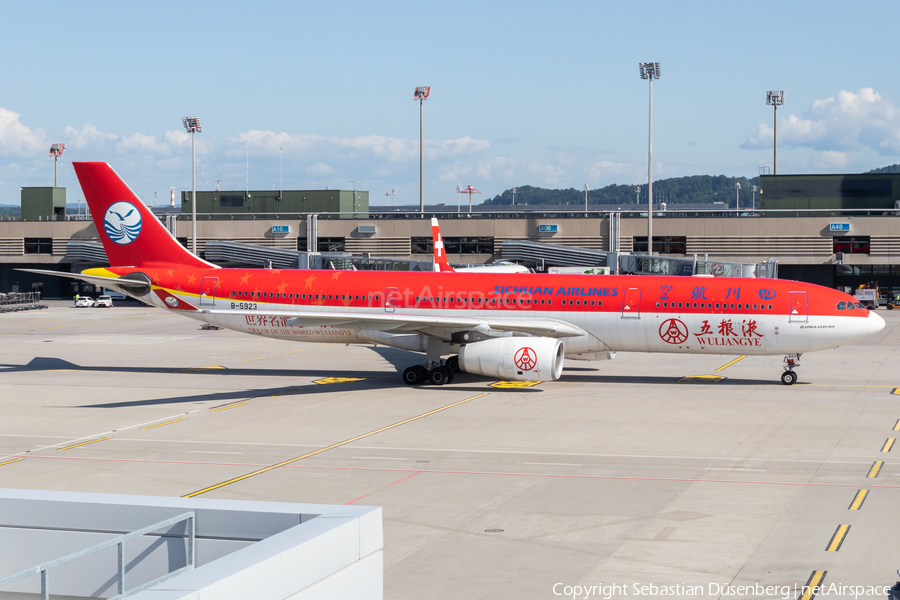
84, 302
868, 297
515, 326
893, 300
104, 302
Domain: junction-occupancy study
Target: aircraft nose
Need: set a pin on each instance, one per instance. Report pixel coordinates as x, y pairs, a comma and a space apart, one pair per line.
874, 323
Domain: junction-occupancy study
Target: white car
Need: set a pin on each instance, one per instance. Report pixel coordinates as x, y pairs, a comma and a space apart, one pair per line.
84, 302
104, 301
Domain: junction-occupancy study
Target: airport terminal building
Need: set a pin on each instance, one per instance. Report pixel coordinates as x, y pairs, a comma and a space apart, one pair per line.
835, 230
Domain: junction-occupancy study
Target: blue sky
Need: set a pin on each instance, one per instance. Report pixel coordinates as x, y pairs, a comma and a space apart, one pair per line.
523, 93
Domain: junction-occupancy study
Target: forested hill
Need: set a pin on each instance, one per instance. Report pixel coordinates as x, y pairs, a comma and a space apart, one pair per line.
887, 169
698, 189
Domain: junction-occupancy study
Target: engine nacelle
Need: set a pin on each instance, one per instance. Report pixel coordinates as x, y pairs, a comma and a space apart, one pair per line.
514, 358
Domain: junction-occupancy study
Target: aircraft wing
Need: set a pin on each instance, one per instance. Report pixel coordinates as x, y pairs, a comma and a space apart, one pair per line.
437, 326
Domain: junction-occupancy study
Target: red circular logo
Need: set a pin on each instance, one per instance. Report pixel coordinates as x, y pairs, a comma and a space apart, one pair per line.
673, 331
526, 359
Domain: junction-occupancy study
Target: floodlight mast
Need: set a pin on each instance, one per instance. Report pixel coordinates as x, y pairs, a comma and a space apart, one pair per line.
775, 99
56, 150
470, 189
650, 71
192, 125
737, 190
421, 94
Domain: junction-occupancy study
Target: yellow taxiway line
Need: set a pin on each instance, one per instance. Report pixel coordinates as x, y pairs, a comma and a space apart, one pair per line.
858, 500
86, 443
725, 366
838, 538
331, 447
166, 423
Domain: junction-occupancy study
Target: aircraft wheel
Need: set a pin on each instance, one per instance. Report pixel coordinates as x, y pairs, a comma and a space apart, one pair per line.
414, 375
788, 378
453, 364
890, 307
439, 375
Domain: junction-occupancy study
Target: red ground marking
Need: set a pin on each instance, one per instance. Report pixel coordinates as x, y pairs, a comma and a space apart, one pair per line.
360, 498
404, 478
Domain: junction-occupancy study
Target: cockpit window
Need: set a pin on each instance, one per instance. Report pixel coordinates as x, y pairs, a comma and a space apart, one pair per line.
858, 305
842, 306
850, 306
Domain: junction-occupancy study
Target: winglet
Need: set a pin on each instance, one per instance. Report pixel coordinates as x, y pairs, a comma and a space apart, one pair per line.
440, 254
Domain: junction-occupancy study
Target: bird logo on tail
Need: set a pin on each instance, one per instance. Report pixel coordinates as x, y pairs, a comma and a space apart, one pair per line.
122, 222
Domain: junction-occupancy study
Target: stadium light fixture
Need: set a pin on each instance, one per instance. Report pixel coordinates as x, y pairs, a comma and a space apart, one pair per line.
650, 71
192, 125
56, 150
421, 94
775, 99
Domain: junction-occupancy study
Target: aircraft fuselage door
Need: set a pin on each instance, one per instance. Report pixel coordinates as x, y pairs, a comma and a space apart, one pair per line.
631, 304
798, 311
208, 291
390, 299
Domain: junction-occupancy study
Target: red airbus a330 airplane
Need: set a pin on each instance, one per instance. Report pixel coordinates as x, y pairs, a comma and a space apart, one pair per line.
510, 326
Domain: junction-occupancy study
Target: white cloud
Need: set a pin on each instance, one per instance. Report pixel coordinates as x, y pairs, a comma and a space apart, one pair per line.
454, 173
845, 122
516, 169
830, 159
390, 149
88, 137
319, 169
142, 143
18, 140
604, 168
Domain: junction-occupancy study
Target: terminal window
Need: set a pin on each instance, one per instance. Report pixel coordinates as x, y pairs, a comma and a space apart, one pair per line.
454, 245
469, 245
421, 245
38, 245
661, 244
857, 244
330, 244
231, 201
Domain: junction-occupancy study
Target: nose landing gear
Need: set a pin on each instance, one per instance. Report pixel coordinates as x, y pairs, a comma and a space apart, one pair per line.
790, 362
436, 373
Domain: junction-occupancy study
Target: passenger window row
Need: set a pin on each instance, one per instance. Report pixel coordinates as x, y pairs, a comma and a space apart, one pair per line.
256, 295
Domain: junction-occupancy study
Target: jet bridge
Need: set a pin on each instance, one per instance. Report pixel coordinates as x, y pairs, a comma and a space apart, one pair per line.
543, 256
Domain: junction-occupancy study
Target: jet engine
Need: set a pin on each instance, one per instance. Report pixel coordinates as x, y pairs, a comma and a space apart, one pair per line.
514, 358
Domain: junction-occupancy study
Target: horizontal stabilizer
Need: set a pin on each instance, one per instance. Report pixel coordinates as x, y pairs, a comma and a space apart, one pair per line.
132, 285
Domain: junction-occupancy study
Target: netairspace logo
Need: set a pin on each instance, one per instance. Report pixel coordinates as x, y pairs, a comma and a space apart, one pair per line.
122, 222
716, 590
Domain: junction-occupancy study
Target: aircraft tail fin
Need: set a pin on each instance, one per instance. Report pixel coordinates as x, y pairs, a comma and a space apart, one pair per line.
131, 234
441, 264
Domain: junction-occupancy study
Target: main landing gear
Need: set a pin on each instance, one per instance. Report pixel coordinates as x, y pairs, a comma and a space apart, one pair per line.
438, 374
790, 361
